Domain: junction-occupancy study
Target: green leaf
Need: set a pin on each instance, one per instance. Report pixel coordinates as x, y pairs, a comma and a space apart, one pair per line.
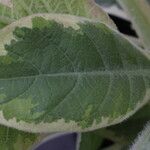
143, 140
22, 8
90, 141
61, 72
12, 139
138, 11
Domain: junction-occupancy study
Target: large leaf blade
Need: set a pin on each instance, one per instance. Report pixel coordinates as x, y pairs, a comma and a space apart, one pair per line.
69, 78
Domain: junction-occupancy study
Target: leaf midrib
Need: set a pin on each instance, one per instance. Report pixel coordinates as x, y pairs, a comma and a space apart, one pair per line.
137, 72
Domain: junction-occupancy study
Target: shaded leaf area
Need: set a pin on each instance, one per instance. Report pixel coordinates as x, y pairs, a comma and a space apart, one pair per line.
125, 132
59, 141
90, 72
12, 139
143, 140
90, 141
22, 8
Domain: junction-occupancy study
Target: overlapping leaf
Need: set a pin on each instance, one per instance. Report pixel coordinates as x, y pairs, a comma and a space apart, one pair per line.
139, 12
90, 141
55, 77
22, 8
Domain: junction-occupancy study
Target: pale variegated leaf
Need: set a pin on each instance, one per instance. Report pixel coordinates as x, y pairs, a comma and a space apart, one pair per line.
22, 8
139, 12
